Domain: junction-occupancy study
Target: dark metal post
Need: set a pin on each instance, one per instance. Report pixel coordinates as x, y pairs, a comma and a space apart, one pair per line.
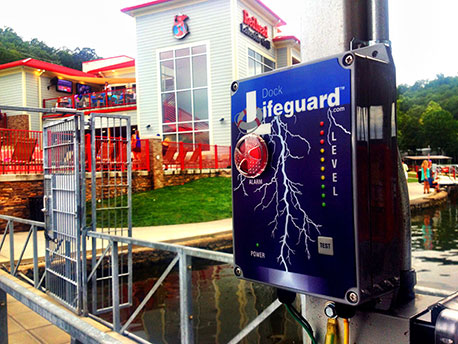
11, 232
115, 286
187, 332
3, 318
36, 273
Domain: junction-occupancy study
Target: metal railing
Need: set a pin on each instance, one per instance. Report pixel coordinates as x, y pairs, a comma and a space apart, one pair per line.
21, 151
181, 155
13, 268
183, 255
80, 330
94, 100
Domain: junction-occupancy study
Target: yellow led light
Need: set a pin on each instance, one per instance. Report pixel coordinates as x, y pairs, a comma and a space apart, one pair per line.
322, 150
322, 177
322, 168
322, 159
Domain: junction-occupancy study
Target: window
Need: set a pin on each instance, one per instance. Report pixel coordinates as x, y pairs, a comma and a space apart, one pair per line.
258, 64
184, 94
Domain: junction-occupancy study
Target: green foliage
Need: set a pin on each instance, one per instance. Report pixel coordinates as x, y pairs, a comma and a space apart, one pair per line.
13, 48
428, 115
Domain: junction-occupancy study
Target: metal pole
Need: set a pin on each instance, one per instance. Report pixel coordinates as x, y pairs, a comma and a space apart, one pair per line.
115, 289
187, 332
378, 27
11, 231
36, 273
3, 318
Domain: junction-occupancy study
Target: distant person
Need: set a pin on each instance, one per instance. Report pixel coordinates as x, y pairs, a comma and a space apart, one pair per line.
425, 175
406, 169
136, 145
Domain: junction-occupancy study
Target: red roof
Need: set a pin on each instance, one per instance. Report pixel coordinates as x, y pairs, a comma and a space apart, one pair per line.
157, 2
109, 58
115, 66
51, 67
286, 38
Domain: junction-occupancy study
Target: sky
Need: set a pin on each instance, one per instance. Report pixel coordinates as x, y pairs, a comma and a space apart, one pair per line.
423, 32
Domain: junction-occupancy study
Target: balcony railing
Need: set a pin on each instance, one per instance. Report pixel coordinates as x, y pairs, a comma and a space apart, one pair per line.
94, 100
180, 155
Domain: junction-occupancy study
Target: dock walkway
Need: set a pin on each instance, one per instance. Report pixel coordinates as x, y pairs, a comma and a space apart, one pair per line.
25, 326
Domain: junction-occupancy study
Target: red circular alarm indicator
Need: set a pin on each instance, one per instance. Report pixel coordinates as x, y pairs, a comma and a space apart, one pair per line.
250, 155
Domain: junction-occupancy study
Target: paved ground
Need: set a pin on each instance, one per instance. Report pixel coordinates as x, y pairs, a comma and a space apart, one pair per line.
27, 327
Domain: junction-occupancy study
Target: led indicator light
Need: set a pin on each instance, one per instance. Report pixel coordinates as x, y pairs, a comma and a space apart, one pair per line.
322, 132
322, 168
322, 159
322, 150
323, 195
321, 124
322, 177
322, 186
322, 142
257, 244
323, 204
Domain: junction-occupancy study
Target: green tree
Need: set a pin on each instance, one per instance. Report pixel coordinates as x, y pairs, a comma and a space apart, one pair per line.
13, 48
440, 129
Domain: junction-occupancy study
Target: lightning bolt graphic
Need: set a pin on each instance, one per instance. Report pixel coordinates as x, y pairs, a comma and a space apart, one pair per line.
332, 121
285, 197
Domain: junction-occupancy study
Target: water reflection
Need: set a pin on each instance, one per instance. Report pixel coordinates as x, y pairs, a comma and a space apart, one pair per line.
223, 306
435, 246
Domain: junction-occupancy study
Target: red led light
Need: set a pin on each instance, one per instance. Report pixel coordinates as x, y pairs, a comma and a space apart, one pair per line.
250, 155
322, 132
322, 142
321, 124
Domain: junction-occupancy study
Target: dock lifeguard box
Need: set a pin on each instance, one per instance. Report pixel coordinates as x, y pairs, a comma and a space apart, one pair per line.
314, 177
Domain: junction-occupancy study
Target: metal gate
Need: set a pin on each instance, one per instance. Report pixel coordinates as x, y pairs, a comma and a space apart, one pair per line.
64, 186
110, 212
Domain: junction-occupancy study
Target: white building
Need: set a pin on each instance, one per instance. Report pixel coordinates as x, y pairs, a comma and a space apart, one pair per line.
188, 54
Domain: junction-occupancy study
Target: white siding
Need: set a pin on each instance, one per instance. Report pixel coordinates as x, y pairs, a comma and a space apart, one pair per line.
31, 83
209, 22
11, 89
244, 42
282, 57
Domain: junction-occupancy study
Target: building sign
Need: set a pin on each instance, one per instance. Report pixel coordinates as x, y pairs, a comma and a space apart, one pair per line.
254, 30
180, 28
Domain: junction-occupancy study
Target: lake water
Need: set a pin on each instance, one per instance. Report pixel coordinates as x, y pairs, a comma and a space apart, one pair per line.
435, 246
223, 305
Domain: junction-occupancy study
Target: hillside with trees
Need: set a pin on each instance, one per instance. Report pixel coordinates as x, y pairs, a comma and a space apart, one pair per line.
13, 48
428, 116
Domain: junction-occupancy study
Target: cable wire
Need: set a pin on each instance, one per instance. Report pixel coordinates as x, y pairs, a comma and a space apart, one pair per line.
299, 316
305, 325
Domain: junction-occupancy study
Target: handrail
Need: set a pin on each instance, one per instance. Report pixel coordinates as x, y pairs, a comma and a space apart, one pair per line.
67, 321
221, 257
14, 267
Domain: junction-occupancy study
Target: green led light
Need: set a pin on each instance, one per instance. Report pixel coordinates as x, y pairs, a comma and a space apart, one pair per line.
323, 195
257, 244
322, 186
323, 204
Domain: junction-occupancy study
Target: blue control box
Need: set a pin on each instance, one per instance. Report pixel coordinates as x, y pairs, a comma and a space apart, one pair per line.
314, 177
